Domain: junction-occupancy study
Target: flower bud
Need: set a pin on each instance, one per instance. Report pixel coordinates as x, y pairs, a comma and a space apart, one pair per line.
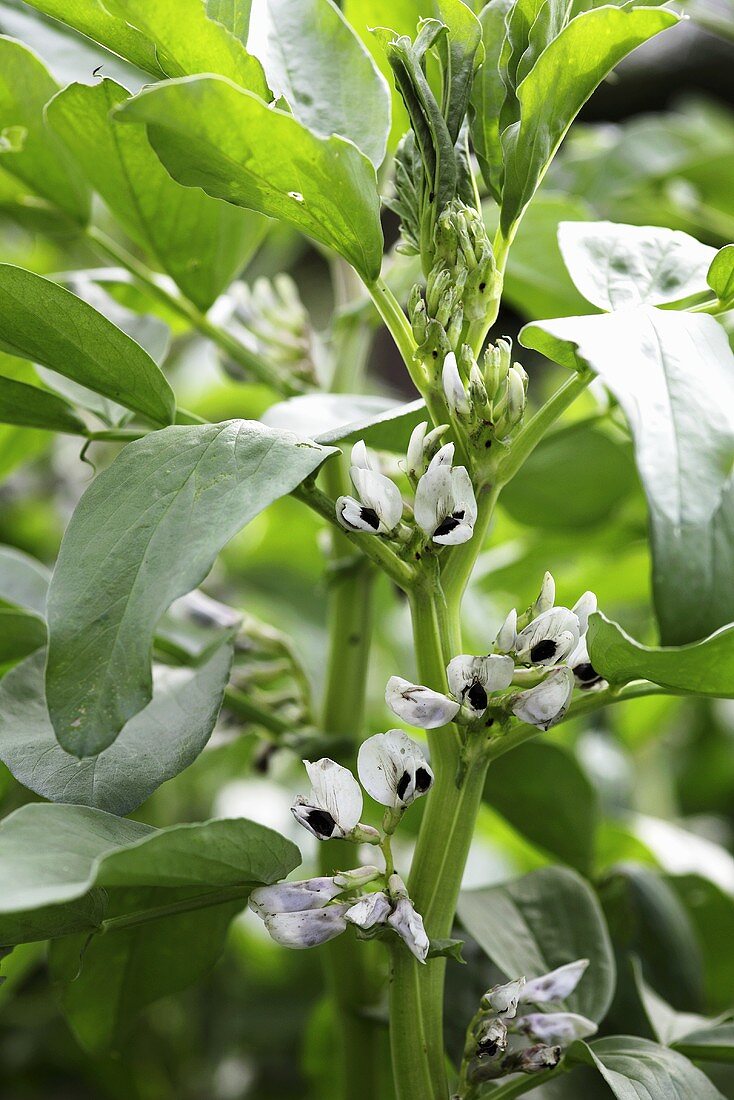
453, 388
547, 596
356, 878
515, 398
415, 462
438, 282
505, 640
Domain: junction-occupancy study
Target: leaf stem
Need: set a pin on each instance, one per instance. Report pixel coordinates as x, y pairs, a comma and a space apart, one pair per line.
186, 905
174, 300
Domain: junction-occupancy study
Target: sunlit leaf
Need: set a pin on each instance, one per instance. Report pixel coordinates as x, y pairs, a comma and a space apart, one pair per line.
721, 273
147, 531
28, 150
636, 1067
333, 419
41, 321
212, 135
673, 375
201, 242
158, 743
97, 22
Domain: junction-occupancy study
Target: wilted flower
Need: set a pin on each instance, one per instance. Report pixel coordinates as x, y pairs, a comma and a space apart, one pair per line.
393, 769
406, 921
547, 702
334, 806
492, 1037
556, 1027
533, 1059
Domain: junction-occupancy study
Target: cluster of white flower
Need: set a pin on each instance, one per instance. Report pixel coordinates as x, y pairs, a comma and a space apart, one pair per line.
500, 1042
547, 647
445, 508
394, 771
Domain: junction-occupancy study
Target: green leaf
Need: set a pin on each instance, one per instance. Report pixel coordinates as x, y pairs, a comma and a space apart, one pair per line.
145, 532
622, 266
709, 1044
488, 95
635, 1068
94, 20
212, 135
673, 375
543, 793
534, 924
23, 580
21, 632
332, 418
603, 476
557, 86
158, 743
702, 668
36, 408
233, 14
202, 243
187, 41
721, 273
30, 152
447, 949
41, 321
711, 910
316, 61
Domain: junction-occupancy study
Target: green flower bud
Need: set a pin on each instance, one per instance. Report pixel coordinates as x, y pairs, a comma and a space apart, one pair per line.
438, 282
436, 345
419, 321
455, 325
515, 397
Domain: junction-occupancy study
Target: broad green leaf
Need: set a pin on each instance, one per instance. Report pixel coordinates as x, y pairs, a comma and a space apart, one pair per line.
543, 920
187, 41
21, 632
709, 1044
233, 14
673, 375
315, 60
711, 910
202, 243
212, 135
702, 668
464, 53
721, 273
647, 921
147, 531
543, 793
556, 88
344, 418
621, 266
97, 21
400, 15
488, 95
41, 321
27, 149
603, 476
67, 868
33, 407
635, 1068
23, 580
158, 743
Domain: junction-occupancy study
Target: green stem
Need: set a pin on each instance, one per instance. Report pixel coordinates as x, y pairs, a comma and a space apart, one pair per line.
461, 561
219, 336
186, 905
520, 1085
244, 707
398, 324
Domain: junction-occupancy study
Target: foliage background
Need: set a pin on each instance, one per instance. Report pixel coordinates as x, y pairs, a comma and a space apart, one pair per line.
649, 784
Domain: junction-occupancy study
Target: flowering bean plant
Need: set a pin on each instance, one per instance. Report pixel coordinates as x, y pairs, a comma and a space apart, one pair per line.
177, 190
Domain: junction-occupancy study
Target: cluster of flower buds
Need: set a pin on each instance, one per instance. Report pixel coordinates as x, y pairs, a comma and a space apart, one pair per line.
545, 648
445, 508
395, 772
487, 401
459, 287
273, 315
499, 1041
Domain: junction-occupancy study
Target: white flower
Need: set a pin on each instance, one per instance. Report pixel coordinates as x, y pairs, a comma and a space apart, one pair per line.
445, 505
393, 769
556, 1027
380, 506
293, 897
370, 911
415, 464
406, 921
585, 673
549, 638
505, 640
334, 806
473, 679
503, 999
418, 705
545, 704
307, 929
453, 387
555, 986
547, 596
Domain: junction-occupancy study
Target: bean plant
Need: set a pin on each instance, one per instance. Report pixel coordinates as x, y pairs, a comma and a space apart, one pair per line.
439, 123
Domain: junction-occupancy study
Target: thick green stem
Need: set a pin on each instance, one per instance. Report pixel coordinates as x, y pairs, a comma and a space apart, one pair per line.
252, 363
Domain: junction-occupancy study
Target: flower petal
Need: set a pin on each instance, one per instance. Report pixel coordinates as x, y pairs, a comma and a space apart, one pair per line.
556, 985
409, 926
419, 706
414, 457
549, 638
379, 494
472, 679
505, 640
453, 387
335, 790
307, 929
291, 897
370, 911
356, 516
556, 1027
545, 704
393, 769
